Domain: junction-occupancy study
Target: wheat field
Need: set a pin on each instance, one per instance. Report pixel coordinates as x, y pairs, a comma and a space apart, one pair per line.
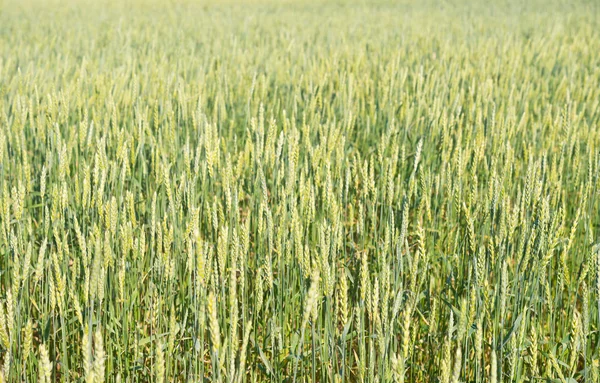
299, 191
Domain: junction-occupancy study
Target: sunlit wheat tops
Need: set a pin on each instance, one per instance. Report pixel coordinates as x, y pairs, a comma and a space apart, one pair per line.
299, 191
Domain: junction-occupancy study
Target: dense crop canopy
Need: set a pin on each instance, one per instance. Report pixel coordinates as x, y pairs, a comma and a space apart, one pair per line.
299, 191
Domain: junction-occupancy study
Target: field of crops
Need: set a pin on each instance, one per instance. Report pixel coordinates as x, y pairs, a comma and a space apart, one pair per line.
299, 191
